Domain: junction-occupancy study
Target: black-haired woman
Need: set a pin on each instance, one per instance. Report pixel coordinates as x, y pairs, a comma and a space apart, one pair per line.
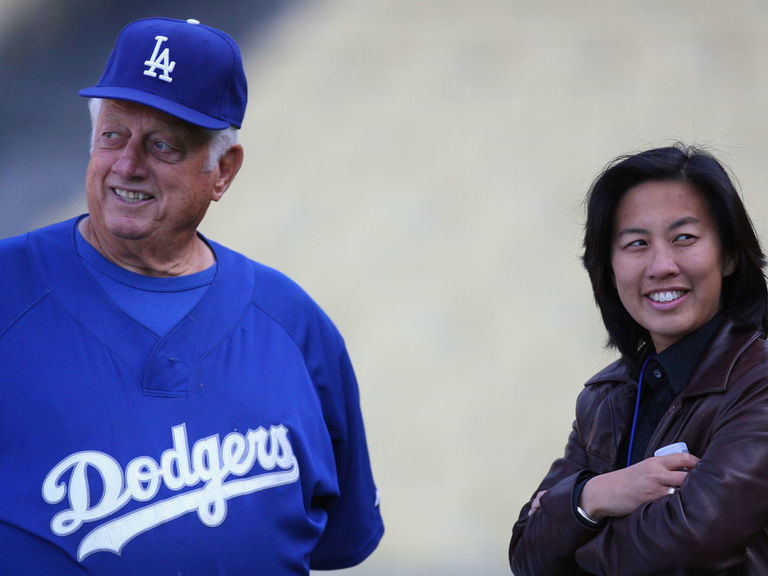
677, 272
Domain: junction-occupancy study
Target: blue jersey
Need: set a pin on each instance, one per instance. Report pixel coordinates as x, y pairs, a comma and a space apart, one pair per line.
232, 445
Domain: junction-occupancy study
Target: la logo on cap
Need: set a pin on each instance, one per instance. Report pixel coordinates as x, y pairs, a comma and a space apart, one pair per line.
160, 60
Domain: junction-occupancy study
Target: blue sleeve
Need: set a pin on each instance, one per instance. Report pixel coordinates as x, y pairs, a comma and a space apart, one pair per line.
354, 526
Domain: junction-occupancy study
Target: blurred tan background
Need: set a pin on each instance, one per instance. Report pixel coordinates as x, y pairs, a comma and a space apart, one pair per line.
419, 168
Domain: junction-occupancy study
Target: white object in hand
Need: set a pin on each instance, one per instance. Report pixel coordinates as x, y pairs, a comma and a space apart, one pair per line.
676, 448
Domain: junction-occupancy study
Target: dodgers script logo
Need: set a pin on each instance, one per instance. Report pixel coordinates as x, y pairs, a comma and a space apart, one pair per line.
160, 60
210, 463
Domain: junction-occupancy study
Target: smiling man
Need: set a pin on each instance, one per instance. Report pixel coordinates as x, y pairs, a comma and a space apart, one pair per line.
194, 412
148, 187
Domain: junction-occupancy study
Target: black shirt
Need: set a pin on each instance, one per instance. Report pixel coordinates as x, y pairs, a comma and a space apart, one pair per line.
666, 374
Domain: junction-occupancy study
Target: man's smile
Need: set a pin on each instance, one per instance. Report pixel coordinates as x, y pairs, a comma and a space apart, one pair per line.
131, 195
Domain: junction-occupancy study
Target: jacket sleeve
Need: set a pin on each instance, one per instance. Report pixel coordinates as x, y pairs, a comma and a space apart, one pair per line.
708, 523
545, 542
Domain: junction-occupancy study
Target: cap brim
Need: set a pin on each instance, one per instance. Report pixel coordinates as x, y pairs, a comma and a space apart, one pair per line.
154, 101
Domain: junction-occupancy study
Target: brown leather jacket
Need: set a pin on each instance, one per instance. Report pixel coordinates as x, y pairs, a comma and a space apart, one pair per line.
716, 522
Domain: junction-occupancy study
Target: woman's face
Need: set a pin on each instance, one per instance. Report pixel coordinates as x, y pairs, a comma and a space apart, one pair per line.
667, 259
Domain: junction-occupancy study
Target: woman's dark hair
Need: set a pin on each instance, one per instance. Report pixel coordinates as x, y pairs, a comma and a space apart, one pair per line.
744, 295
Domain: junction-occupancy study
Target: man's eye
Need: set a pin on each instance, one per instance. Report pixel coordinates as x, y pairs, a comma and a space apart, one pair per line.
110, 139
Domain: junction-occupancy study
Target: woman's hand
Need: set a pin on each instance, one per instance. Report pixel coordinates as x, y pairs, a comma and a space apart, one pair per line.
620, 492
536, 504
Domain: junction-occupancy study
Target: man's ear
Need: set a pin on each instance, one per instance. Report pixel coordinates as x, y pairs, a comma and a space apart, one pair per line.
227, 167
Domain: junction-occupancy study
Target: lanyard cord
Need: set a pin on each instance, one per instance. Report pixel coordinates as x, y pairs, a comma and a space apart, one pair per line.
637, 409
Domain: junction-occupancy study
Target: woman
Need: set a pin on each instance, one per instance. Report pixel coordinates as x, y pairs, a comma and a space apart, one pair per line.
676, 270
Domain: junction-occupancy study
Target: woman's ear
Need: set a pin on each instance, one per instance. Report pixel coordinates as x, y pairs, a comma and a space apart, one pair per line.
730, 265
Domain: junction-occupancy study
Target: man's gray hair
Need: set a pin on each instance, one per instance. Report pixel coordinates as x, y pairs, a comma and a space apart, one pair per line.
219, 140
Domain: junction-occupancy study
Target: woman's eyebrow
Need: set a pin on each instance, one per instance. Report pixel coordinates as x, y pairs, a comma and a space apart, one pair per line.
676, 224
631, 230
683, 221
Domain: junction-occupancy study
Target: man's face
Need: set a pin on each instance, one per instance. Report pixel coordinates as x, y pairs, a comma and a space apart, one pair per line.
147, 179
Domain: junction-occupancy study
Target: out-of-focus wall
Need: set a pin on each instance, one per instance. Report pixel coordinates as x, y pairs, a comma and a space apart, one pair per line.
419, 168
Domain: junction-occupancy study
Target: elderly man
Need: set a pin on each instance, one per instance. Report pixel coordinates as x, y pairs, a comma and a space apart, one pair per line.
168, 406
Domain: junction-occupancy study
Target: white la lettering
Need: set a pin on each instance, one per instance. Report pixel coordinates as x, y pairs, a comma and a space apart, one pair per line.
160, 60
210, 462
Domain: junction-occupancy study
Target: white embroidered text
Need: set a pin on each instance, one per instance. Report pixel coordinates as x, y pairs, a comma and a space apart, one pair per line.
210, 462
160, 60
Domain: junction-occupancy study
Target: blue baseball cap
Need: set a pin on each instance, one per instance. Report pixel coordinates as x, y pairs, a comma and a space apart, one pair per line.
181, 67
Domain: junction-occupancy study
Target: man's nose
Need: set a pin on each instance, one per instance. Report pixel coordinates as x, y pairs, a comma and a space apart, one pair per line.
131, 164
